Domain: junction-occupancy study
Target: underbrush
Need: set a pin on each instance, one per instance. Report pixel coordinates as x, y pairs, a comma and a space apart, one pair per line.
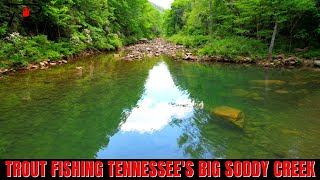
188, 40
19, 51
230, 46
235, 46
312, 54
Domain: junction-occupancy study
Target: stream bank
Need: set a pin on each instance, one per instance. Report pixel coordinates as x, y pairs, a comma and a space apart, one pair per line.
156, 47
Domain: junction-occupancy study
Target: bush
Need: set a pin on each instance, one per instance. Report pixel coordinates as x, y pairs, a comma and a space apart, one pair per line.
235, 46
20, 51
189, 41
312, 54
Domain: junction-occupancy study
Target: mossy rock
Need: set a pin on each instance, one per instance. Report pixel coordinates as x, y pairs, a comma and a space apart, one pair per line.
233, 115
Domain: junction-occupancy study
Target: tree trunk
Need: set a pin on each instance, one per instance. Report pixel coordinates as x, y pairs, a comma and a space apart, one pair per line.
275, 29
59, 32
211, 11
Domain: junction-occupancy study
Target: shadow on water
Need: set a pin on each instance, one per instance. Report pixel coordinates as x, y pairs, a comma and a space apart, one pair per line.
158, 108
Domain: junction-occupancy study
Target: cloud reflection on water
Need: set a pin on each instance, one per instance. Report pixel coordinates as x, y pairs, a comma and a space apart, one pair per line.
161, 103
149, 130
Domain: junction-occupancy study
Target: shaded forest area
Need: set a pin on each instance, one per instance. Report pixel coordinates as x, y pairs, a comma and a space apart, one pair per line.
258, 29
66, 27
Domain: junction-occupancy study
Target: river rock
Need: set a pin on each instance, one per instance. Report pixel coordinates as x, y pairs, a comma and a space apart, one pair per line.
42, 64
31, 66
317, 63
79, 68
233, 115
298, 83
64, 61
280, 56
143, 40
34, 67
53, 64
291, 58
186, 58
246, 59
268, 82
282, 91
116, 55
240, 92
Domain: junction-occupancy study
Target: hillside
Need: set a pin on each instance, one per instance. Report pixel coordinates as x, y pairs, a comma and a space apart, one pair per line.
161, 9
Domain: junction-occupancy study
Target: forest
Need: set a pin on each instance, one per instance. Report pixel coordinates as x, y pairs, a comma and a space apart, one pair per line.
68, 27
259, 29
253, 28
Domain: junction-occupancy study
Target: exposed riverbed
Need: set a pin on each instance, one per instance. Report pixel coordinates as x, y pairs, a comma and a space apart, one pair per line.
104, 107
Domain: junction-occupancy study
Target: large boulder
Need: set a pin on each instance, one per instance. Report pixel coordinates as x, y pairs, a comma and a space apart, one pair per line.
233, 115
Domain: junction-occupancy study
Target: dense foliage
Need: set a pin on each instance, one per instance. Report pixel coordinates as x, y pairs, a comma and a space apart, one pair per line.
66, 27
245, 27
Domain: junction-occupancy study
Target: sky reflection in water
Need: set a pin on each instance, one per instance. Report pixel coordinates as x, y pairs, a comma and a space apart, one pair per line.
148, 123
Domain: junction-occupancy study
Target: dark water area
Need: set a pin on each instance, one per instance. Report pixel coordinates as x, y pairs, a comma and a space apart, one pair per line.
158, 108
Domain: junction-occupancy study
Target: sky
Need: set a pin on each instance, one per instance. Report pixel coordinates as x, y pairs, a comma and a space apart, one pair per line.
163, 3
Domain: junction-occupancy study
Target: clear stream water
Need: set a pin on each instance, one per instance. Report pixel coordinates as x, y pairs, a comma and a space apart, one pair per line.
158, 108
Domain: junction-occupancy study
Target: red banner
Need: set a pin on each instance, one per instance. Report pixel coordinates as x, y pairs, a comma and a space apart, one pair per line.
159, 168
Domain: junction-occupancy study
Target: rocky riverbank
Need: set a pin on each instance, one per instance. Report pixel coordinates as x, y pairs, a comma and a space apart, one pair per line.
157, 47
47, 63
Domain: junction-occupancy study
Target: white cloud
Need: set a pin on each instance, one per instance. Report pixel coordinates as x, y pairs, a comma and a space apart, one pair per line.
163, 3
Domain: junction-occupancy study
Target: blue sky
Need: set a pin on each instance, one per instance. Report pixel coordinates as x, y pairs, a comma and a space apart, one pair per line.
164, 3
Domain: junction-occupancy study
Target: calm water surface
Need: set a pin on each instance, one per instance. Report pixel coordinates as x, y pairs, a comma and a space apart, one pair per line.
158, 108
